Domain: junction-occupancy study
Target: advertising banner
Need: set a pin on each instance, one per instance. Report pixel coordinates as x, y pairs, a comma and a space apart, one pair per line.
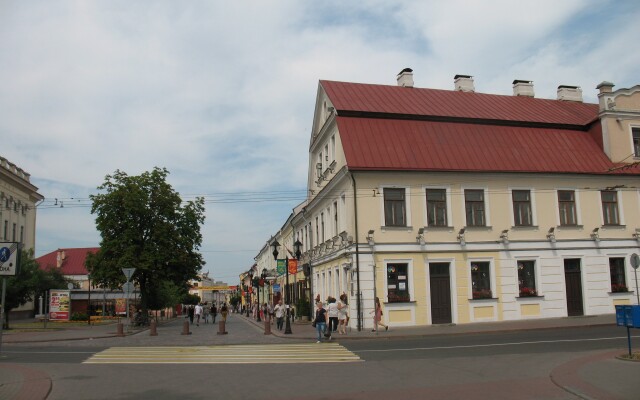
280, 267
59, 305
293, 266
121, 306
276, 288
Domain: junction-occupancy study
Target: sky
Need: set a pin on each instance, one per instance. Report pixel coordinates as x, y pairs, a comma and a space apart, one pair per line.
222, 93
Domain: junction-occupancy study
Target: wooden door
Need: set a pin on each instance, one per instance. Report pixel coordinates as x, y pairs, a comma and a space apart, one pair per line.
440, 293
573, 282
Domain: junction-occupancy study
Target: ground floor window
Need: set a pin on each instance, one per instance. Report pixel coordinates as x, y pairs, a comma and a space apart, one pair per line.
481, 280
398, 282
527, 278
618, 280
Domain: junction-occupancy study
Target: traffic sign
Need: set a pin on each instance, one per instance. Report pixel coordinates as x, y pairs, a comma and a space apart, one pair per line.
635, 261
8, 258
128, 272
127, 287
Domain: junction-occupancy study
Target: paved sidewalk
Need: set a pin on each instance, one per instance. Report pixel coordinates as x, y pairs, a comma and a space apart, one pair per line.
594, 376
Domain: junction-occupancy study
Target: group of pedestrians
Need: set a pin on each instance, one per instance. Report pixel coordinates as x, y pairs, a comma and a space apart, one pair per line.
201, 311
334, 318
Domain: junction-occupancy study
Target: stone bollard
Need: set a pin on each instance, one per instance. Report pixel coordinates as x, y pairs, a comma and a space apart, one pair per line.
267, 325
222, 327
153, 329
185, 328
120, 329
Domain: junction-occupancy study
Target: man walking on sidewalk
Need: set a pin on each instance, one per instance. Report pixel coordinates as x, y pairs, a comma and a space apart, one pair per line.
198, 312
279, 311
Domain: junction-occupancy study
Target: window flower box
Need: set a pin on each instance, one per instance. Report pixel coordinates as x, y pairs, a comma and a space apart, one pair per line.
528, 292
482, 294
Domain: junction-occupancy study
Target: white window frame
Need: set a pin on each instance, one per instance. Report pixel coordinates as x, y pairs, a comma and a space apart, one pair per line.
576, 197
407, 206
633, 126
487, 212
447, 199
411, 283
620, 208
536, 269
534, 214
492, 277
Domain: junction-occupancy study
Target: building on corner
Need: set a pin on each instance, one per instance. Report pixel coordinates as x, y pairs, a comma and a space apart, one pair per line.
454, 206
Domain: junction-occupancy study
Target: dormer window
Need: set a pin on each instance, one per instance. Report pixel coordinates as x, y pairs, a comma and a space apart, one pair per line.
636, 142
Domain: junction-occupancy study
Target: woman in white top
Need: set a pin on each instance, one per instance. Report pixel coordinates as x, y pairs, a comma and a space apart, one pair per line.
332, 312
343, 315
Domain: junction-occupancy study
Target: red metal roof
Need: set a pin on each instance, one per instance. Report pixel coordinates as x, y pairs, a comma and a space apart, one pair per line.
394, 144
360, 97
397, 128
72, 262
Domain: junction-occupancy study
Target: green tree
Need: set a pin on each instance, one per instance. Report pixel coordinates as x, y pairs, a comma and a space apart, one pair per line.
29, 283
145, 225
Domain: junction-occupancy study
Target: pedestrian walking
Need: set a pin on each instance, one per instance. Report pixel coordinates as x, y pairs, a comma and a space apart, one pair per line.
224, 311
320, 321
191, 313
279, 311
270, 312
377, 316
214, 312
332, 312
205, 313
198, 312
343, 315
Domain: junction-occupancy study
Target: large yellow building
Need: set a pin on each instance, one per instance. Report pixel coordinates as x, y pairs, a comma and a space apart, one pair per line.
454, 206
18, 200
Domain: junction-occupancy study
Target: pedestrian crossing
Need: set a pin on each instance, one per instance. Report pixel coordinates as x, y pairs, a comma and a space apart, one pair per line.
232, 354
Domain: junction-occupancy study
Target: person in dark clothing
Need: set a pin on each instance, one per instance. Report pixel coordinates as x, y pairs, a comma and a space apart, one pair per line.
192, 312
214, 312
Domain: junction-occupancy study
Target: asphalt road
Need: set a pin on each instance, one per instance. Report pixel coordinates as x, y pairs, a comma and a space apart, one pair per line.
505, 365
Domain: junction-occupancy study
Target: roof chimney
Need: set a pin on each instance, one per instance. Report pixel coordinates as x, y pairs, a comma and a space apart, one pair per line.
570, 93
523, 88
605, 87
405, 78
463, 83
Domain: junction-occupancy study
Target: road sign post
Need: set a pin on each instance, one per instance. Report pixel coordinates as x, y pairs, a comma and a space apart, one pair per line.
8, 267
128, 273
635, 262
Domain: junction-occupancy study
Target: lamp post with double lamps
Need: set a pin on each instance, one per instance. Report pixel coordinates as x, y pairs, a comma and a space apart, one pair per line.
296, 251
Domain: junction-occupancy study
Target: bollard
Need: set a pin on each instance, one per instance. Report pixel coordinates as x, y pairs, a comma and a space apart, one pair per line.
267, 325
153, 329
185, 328
120, 329
222, 327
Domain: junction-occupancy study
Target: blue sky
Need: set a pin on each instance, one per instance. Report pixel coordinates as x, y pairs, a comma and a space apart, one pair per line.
222, 93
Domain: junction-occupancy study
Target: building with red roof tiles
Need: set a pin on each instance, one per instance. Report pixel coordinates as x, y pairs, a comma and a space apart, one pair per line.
454, 206
71, 262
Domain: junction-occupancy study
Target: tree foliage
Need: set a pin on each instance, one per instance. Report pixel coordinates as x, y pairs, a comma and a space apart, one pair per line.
30, 282
145, 225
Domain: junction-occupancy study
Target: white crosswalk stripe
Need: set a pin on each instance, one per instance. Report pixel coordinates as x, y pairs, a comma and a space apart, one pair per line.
234, 354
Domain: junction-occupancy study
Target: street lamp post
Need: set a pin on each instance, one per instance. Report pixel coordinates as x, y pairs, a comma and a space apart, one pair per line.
263, 275
250, 286
296, 250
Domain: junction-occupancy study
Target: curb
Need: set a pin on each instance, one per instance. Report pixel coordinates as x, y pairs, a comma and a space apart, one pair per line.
424, 335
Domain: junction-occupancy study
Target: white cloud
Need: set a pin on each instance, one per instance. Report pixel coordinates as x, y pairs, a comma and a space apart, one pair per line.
222, 93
